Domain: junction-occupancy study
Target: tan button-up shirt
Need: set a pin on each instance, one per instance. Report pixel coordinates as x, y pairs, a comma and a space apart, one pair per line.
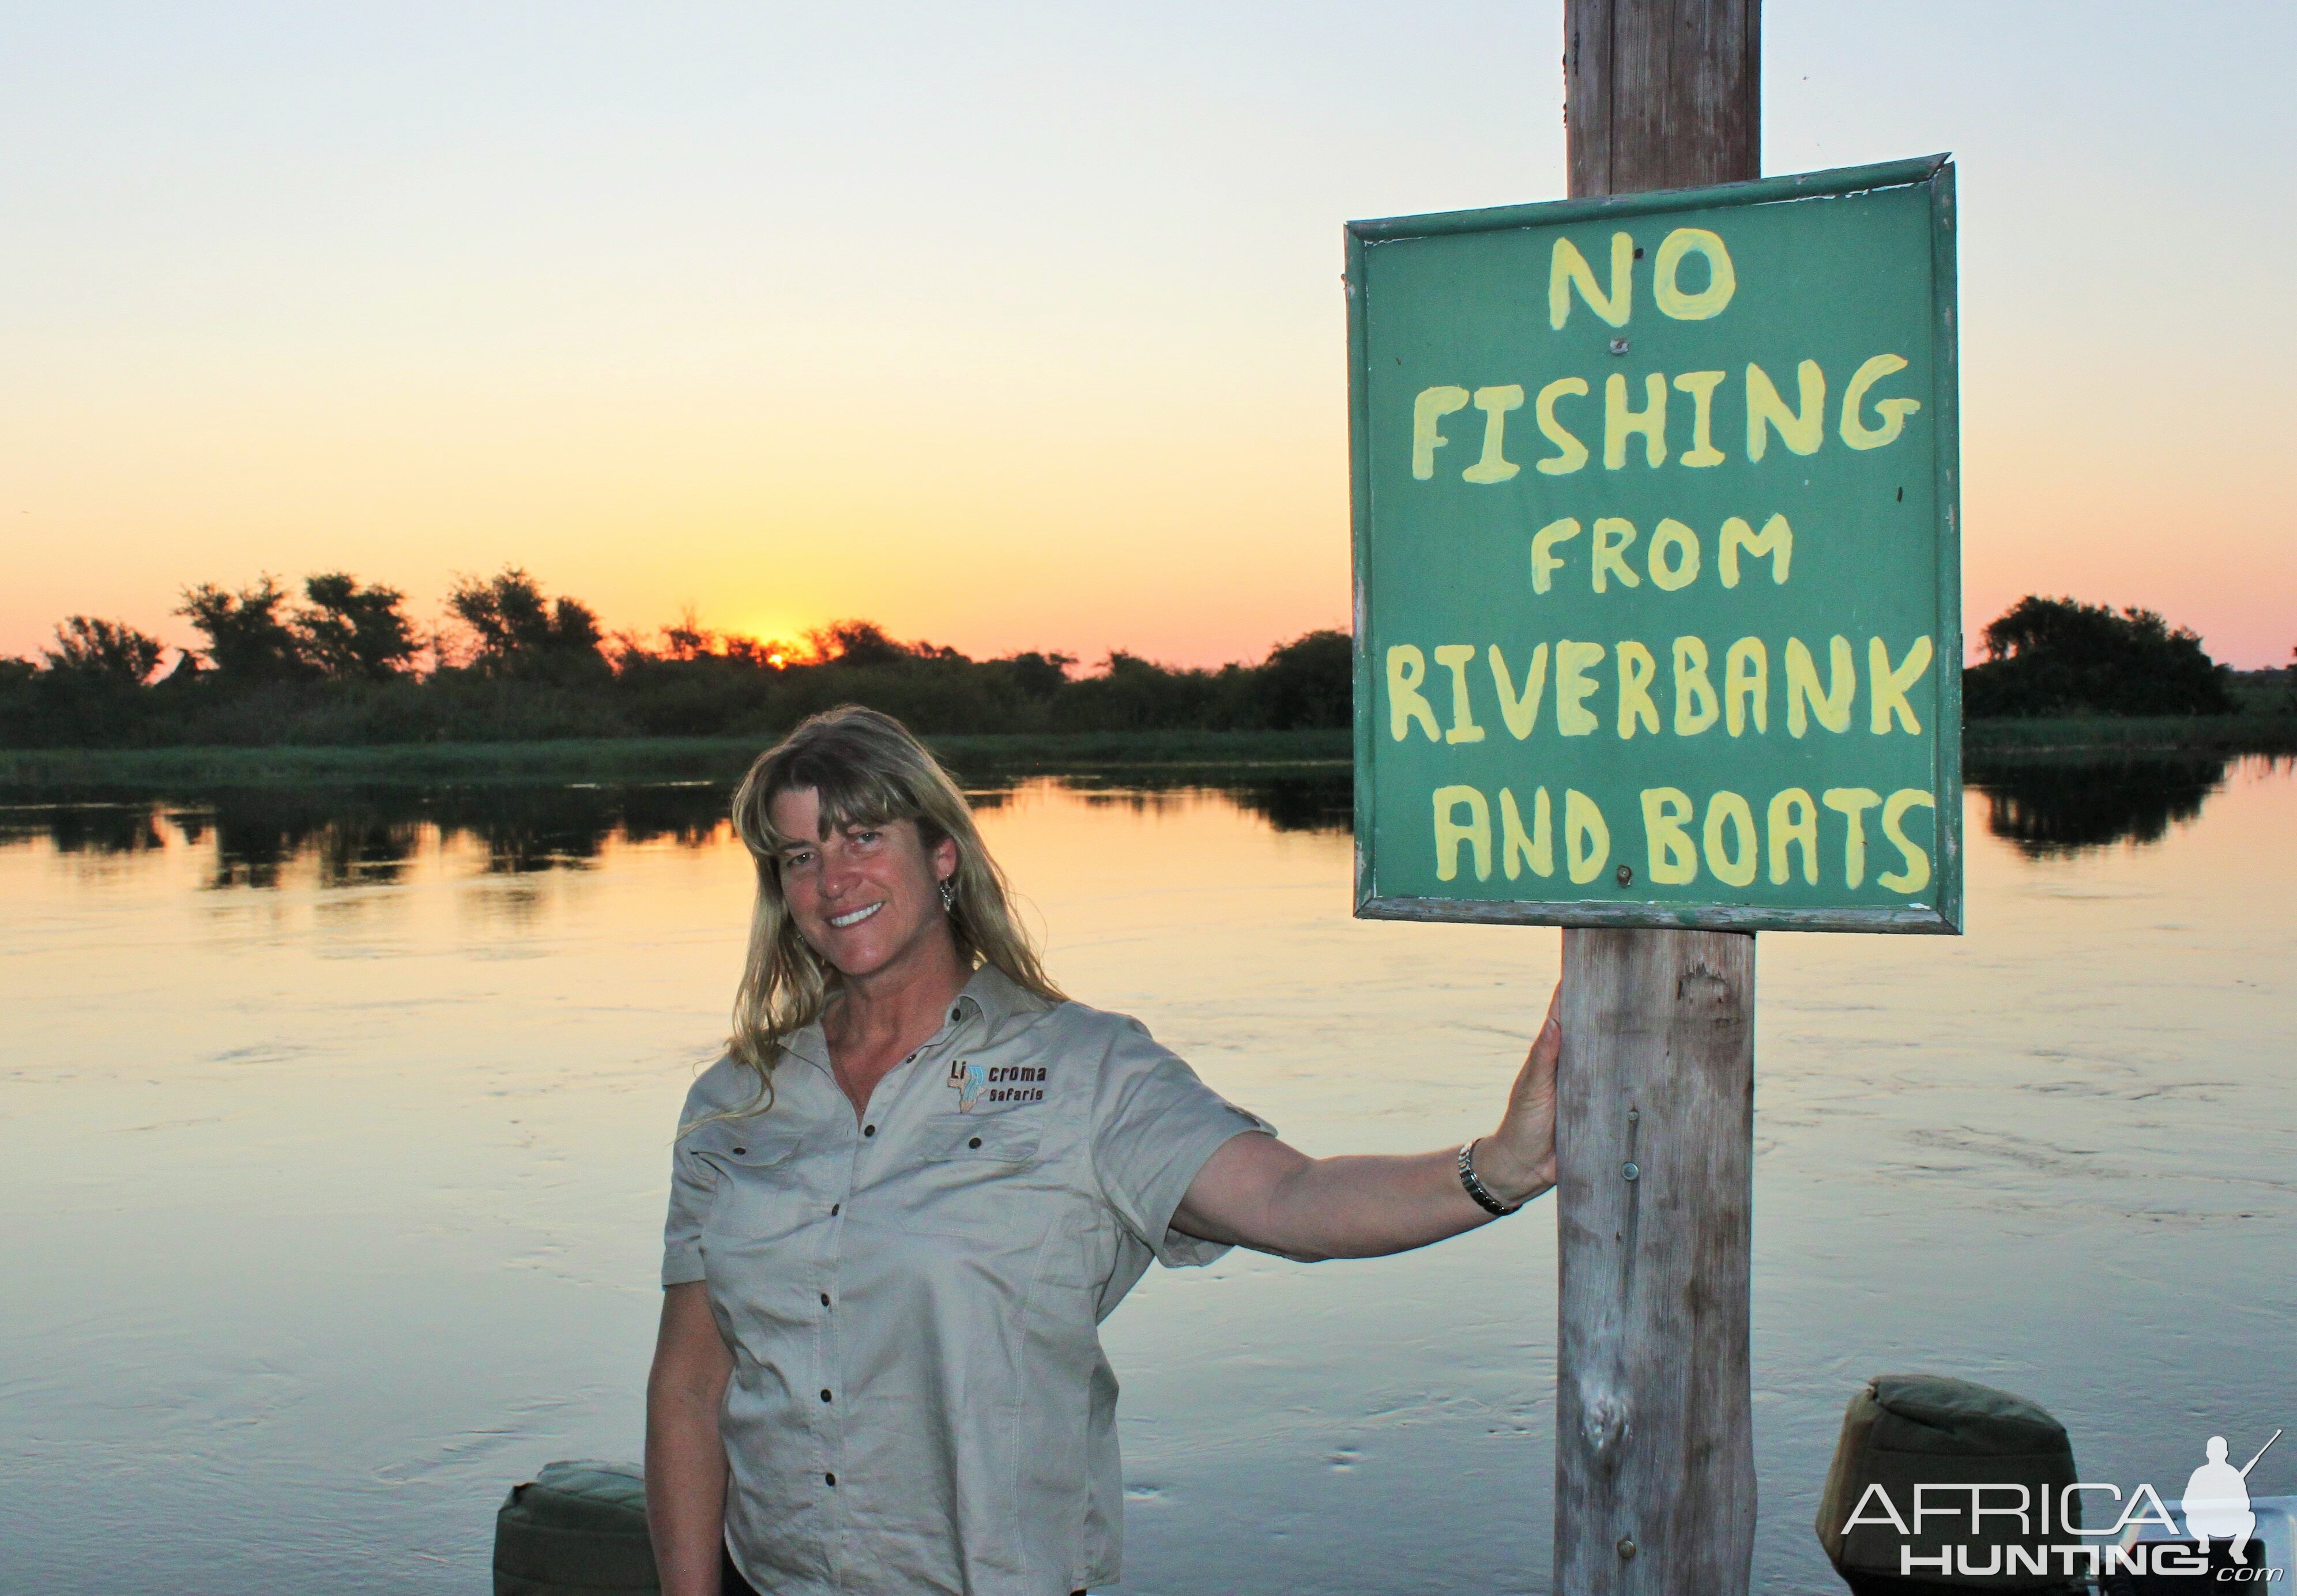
919, 1402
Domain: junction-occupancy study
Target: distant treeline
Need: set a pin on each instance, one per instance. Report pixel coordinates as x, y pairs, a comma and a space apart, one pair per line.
343, 664
2056, 656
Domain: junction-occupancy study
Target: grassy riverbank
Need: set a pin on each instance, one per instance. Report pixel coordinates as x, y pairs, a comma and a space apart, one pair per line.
624, 759
2101, 737
629, 759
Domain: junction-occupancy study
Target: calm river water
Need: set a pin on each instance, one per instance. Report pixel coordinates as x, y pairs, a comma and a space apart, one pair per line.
333, 1141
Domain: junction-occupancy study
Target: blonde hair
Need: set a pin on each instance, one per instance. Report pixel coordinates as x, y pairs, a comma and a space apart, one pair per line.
867, 769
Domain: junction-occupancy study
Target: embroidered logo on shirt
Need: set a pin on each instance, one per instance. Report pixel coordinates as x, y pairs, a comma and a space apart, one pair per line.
968, 1079
1006, 1083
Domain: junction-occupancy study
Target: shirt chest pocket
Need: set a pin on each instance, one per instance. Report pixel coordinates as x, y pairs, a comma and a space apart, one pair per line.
759, 1196
975, 1177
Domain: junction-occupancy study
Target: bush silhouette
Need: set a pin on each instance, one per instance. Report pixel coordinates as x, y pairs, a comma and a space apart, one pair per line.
526, 665
2058, 656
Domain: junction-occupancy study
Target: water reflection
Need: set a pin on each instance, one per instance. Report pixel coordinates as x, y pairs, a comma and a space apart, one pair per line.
257, 835
2045, 809
1318, 801
390, 1159
2054, 808
366, 837
101, 828
1318, 804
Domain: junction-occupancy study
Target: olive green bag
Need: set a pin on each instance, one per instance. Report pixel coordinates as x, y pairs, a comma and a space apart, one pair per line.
1908, 1430
577, 1527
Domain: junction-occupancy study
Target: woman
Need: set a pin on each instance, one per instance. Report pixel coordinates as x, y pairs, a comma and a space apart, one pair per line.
921, 1178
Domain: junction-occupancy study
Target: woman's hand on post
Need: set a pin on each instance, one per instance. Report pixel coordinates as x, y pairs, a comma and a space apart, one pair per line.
1517, 1161
1257, 1192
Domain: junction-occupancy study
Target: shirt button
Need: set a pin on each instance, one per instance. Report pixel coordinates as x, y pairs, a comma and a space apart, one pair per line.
868, 1130
829, 1479
824, 1393
952, 1014
834, 1208
974, 1142
825, 1299
739, 1151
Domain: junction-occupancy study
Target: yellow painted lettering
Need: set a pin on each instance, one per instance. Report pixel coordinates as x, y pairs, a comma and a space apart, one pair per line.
1701, 386
1832, 707
1571, 454
1775, 540
1545, 561
1799, 430
1495, 403
1851, 803
1407, 668
1455, 657
1722, 281
1887, 688
1516, 849
1637, 669
1429, 408
1734, 865
1618, 421
1612, 538
1573, 661
1670, 573
1450, 833
1893, 412
1696, 707
1567, 268
1793, 818
1671, 859
1521, 713
1916, 875
1745, 684
1586, 839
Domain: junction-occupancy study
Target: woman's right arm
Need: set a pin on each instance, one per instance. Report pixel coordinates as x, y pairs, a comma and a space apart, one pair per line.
684, 1459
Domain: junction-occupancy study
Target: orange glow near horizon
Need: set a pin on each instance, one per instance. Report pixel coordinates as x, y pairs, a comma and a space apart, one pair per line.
357, 294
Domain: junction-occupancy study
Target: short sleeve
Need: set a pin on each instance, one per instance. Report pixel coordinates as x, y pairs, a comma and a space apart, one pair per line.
1154, 1125
692, 1180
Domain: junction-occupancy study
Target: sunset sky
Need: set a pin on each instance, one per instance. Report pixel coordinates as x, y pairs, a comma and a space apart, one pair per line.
1016, 325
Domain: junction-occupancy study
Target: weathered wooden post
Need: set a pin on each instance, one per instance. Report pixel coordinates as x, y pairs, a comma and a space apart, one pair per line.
1654, 1450
1654, 1444
1658, 640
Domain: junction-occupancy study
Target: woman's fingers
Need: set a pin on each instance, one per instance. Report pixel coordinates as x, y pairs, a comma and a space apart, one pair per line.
1548, 1043
1522, 1150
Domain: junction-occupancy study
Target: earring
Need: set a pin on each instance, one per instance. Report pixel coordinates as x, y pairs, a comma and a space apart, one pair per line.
948, 895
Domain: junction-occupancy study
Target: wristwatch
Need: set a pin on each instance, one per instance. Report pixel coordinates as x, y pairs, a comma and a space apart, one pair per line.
1477, 1189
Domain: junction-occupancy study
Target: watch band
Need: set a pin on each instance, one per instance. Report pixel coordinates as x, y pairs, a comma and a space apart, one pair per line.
1477, 1189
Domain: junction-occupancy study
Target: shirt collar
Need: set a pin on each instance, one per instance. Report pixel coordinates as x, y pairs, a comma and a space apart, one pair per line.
995, 996
990, 995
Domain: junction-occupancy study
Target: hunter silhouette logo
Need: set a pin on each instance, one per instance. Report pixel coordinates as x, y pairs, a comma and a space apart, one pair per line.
2216, 1508
2217, 1499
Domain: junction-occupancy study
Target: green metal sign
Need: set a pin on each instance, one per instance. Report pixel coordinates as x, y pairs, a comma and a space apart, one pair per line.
1658, 573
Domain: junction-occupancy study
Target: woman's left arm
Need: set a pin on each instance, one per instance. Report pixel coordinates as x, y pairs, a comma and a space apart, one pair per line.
1257, 1192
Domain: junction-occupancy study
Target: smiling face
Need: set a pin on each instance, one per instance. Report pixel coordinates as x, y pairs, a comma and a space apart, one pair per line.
866, 897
